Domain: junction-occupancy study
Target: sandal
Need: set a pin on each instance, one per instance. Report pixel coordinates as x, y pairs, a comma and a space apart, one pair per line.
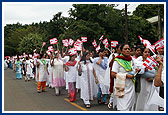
99, 102
110, 105
87, 105
161, 109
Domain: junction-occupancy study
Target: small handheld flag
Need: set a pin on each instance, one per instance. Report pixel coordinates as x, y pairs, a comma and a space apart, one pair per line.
84, 39
53, 41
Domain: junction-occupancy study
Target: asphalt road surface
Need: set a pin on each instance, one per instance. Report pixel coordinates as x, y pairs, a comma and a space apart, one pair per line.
22, 96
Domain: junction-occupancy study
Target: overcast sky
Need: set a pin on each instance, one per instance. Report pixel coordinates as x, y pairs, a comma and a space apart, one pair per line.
27, 13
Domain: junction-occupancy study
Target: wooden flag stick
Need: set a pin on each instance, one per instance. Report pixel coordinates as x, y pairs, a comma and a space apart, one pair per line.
109, 50
100, 42
57, 46
66, 49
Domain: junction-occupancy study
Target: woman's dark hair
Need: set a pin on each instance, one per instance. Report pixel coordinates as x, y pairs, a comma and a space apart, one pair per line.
27, 58
17, 57
143, 49
137, 47
121, 47
108, 53
97, 54
101, 50
41, 55
84, 57
70, 57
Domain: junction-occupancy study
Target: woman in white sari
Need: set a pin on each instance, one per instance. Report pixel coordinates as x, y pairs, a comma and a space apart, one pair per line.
146, 81
88, 79
122, 70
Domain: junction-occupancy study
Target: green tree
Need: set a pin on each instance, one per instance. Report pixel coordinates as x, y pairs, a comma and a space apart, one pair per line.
139, 26
149, 10
30, 42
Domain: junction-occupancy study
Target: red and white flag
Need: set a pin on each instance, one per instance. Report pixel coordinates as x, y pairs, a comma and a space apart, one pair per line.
150, 63
53, 41
65, 42
79, 48
56, 52
78, 45
48, 52
146, 43
44, 43
101, 37
84, 39
79, 41
159, 44
106, 45
94, 43
72, 51
98, 48
114, 44
153, 46
35, 55
50, 49
105, 41
71, 41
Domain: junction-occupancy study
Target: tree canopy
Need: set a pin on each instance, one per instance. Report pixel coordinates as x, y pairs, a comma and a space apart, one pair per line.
91, 20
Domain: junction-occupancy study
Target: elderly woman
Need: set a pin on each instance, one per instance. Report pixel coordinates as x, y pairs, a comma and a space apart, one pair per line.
124, 86
88, 79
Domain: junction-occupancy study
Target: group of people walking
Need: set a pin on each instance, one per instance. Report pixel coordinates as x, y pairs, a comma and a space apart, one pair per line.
118, 79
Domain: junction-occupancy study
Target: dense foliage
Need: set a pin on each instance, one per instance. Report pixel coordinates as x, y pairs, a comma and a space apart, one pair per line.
91, 20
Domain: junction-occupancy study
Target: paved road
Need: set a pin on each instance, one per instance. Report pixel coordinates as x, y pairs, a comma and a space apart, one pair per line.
22, 96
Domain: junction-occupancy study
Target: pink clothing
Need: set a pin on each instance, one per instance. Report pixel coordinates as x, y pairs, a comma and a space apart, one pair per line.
58, 82
58, 74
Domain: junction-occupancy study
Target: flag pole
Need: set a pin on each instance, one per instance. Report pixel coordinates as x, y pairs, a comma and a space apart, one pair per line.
109, 50
41, 49
152, 51
100, 42
57, 46
66, 49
